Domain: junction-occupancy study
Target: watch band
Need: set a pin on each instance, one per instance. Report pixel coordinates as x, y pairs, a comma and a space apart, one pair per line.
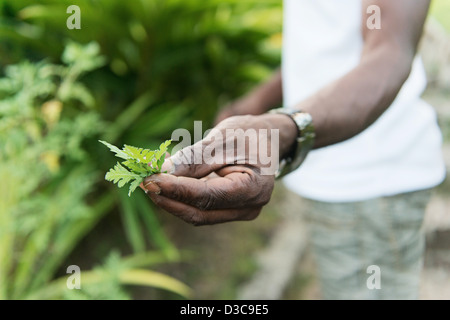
305, 140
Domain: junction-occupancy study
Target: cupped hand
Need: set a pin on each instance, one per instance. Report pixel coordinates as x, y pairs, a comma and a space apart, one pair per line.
216, 180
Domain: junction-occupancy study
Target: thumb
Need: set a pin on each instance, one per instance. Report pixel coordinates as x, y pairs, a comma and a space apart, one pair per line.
189, 162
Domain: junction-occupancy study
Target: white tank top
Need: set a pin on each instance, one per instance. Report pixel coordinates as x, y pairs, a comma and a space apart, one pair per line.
400, 152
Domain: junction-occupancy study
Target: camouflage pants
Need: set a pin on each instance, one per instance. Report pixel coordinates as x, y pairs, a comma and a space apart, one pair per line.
371, 249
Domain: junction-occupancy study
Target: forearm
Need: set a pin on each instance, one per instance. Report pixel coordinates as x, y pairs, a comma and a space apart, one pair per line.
264, 97
352, 103
270, 93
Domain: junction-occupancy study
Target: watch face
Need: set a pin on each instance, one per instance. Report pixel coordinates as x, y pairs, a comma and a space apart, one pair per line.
302, 119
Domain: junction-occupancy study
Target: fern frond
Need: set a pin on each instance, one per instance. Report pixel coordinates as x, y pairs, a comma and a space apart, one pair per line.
141, 162
120, 175
119, 153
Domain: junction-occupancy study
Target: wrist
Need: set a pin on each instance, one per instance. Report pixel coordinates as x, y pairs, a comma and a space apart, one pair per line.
287, 130
304, 141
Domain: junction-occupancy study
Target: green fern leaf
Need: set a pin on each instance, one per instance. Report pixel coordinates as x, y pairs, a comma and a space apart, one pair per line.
119, 153
134, 185
139, 154
139, 168
120, 175
141, 163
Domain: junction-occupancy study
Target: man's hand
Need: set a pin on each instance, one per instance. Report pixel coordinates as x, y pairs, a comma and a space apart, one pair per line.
218, 180
235, 188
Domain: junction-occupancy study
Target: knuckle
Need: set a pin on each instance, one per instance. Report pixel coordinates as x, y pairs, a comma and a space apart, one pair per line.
252, 214
185, 155
262, 201
254, 194
189, 158
176, 192
207, 202
197, 219
264, 193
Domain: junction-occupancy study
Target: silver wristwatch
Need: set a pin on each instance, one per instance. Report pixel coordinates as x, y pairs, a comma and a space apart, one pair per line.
305, 140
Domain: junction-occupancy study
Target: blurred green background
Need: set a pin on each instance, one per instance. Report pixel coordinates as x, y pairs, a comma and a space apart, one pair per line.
134, 72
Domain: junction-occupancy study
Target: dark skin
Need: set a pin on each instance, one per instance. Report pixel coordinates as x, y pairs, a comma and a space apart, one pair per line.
203, 194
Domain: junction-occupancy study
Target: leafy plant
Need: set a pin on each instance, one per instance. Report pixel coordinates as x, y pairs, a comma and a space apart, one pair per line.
141, 162
48, 178
169, 62
43, 205
159, 62
107, 281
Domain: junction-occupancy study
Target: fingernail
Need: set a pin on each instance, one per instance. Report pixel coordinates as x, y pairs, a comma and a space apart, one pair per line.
152, 187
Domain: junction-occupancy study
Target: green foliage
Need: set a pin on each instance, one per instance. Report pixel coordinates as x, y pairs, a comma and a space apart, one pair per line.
136, 71
36, 140
107, 281
122, 176
183, 58
141, 162
47, 176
